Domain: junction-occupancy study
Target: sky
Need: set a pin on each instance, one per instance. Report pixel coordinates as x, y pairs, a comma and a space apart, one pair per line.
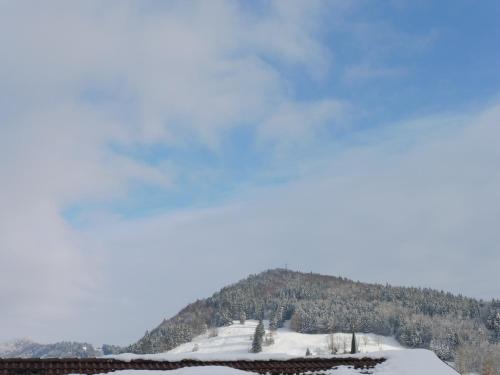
153, 152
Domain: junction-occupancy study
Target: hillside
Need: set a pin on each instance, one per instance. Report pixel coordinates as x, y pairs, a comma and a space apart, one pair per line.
233, 343
237, 339
26, 348
454, 327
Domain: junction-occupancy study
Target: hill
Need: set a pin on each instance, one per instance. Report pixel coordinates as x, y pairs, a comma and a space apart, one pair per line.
237, 339
26, 348
453, 326
232, 343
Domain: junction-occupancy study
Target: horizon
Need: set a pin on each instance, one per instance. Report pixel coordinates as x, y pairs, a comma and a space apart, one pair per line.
152, 152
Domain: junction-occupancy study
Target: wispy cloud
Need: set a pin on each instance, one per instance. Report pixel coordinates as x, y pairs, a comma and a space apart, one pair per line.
368, 72
416, 206
79, 78
105, 102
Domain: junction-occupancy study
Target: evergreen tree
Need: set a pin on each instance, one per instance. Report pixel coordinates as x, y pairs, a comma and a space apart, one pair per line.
308, 352
493, 320
223, 318
260, 328
276, 319
353, 343
273, 324
258, 337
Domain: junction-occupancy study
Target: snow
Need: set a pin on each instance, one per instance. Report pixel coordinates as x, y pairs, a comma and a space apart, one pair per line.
237, 338
211, 370
14, 345
233, 343
218, 370
413, 362
399, 362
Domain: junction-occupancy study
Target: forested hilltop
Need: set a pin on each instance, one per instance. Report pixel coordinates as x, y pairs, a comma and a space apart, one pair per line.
453, 326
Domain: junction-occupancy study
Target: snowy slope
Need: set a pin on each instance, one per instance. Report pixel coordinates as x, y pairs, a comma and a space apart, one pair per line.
233, 343
237, 339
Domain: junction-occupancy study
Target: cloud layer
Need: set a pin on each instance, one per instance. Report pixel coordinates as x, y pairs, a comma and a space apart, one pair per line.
389, 211
101, 102
81, 79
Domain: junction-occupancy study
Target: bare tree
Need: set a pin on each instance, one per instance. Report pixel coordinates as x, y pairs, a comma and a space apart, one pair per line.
213, 332
269, 339
344, 344
364, 340
331, 344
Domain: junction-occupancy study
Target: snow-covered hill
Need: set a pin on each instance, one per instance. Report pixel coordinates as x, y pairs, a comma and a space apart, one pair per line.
26, 348
237, 339
233, 342
14, 346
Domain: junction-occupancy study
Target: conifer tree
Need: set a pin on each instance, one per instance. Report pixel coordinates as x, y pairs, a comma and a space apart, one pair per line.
308, 352
276, 320
273, 325
243, 317
280, 316
258, 337
353, 343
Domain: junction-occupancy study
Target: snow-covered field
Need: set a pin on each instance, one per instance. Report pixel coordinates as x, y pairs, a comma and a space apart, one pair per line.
234, 342
237, 339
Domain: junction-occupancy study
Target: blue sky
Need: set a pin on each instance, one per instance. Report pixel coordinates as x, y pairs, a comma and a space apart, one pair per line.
389, 61
234, 137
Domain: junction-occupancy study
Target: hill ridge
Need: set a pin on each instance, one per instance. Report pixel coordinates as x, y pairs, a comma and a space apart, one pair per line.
316, 303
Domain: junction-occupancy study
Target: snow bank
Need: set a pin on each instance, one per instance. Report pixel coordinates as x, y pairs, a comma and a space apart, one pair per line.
212, 370
398, 362
412, 362
217, 370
